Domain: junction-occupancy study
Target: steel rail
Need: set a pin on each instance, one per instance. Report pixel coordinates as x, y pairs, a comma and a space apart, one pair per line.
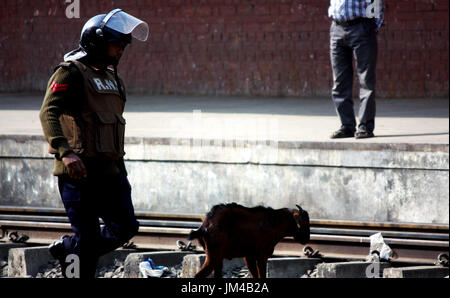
195, 225
442, 228
344, 239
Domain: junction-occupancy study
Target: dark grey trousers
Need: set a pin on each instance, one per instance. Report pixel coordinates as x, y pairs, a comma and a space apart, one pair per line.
358, 41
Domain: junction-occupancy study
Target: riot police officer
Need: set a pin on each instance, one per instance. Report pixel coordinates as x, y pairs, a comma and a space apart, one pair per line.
82, 121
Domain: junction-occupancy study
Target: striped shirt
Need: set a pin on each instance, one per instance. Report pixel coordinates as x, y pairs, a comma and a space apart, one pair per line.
346, 10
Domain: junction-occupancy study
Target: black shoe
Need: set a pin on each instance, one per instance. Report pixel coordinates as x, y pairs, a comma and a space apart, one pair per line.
364, 134
57, 250
343, 133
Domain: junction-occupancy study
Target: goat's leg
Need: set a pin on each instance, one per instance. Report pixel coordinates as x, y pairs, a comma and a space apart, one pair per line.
262, 267
218, 269
251, 265
206, 269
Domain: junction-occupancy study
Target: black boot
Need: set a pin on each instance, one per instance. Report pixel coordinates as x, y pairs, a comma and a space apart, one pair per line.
58, 252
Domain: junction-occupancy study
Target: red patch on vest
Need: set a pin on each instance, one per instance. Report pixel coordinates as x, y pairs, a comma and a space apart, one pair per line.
58, 87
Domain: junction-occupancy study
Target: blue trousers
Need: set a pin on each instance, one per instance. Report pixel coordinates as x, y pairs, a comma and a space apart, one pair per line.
86, 201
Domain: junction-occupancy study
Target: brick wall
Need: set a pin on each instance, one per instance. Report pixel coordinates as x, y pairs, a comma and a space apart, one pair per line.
229, 47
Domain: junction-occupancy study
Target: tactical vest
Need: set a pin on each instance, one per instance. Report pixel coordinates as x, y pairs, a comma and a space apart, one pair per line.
97, 129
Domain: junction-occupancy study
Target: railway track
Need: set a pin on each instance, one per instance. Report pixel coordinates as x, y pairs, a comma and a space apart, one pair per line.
412, 243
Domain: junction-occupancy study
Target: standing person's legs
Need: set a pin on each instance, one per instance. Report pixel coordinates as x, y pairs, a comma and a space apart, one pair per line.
365, 50
342, 66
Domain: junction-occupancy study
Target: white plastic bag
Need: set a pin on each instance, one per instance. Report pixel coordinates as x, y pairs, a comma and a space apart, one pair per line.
377, 244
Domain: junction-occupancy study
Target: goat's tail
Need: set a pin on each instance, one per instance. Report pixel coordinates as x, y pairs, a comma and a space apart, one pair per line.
196, 234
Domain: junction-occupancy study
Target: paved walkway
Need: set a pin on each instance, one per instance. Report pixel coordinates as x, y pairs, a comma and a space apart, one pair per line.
414, 121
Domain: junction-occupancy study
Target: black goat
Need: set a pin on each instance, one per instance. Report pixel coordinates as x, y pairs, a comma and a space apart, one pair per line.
231, 231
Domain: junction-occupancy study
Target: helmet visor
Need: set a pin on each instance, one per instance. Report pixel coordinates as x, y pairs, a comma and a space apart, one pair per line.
126, 24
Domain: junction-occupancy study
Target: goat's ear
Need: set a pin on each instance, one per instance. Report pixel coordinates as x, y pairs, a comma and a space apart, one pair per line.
299, 208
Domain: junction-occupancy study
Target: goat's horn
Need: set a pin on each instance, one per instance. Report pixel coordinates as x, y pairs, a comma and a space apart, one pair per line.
299, 208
